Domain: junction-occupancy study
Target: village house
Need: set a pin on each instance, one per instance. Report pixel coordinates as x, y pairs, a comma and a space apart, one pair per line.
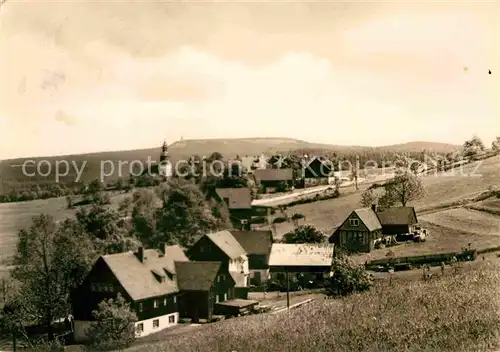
317, 172
146, 279
397, 220
239, 204
363, 227
274, 180
276, 161
223, 247
257, 245
207, 289
306, 259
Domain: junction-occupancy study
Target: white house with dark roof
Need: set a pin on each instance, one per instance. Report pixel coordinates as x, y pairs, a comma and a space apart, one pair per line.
146, 279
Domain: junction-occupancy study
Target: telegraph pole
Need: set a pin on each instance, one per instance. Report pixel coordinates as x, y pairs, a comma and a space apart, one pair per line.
287, 289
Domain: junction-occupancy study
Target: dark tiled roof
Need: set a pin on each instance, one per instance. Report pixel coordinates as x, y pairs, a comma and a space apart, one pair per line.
196, 276
397, 216
137, 278
227, 243
254, 242
239, 198
369, 218
274, 174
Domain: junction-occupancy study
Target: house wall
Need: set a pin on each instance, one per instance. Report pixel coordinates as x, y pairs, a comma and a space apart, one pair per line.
145, 309
259, 275
81, 327
396, 229
165, 321
355, 238
317, 181
80, 330
84, 300
200, 304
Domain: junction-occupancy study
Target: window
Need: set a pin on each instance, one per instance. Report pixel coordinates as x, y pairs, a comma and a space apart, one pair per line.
354, 222
165, 302
175, 299
140, 327
225, 296
155, 303
101, 287
140, 307
156, 323
171, 319
216, 298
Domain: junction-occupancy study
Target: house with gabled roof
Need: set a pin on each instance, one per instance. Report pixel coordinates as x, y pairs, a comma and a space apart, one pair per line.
222, 247
364, 226
146, 279
313, 260
239, 204
397, 220
274, 180
317, 171
257, 245
207, 289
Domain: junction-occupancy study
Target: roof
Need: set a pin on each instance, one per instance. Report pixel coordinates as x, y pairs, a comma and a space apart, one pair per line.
227, 243
369, 218
239, 198
238, 302
254, 242
301, 254
196, 276
397, 216
137, 278
274, 174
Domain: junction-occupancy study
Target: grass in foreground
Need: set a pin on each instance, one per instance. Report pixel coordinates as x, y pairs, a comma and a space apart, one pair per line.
453, 313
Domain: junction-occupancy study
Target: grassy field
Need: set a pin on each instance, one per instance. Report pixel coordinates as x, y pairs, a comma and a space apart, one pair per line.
472, 221
458, 312
440, 189
16, 216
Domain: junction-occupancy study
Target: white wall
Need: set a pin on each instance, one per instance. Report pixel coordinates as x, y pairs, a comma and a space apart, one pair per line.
81, 327
148, 324
80, 330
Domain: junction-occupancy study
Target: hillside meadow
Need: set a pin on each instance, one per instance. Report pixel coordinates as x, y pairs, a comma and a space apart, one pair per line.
457, 312
16, 216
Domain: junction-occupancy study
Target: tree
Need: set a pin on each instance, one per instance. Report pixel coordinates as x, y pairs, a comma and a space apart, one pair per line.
185, 215
473, 147
495, 145
296, 217
114, 325
304, 234
368, 198
49, 263
404, 188
347, 277
106, 229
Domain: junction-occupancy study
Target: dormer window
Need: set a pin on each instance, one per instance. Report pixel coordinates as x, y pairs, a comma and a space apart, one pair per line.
354, 222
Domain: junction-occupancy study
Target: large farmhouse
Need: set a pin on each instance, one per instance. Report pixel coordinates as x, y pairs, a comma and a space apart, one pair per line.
146, 279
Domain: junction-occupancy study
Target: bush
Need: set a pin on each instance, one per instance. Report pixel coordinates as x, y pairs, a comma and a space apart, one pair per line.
347, 277
114, 326
279, 220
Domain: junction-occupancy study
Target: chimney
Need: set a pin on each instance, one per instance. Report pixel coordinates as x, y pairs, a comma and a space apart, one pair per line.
140, 254
374, 207
163, 249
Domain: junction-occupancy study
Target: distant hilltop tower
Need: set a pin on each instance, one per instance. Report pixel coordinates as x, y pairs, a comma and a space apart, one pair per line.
165, 167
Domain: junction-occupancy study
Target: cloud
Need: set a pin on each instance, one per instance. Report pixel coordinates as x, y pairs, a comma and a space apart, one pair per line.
64, 118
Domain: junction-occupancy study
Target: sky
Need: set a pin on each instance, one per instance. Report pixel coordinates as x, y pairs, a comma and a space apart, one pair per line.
88, 76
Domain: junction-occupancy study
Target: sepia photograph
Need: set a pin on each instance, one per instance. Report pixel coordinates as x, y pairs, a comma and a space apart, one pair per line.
246, 176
